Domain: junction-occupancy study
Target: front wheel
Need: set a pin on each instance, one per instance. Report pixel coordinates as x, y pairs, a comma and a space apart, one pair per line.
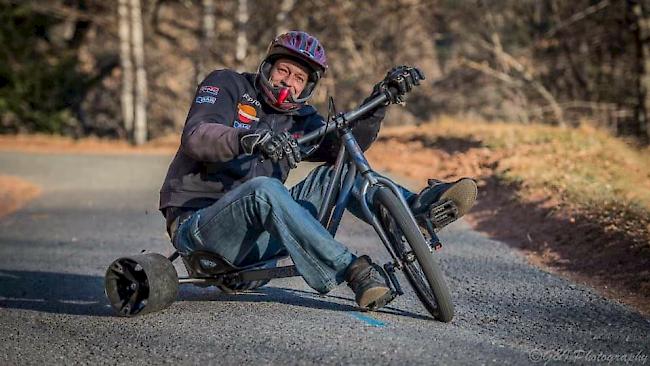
421, 269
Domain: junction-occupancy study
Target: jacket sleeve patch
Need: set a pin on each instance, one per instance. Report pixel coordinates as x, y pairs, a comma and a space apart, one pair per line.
238, 124
209, 89
246, 113
205, 99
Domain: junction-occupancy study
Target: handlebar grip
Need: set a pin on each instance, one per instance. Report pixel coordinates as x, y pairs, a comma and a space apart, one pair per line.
393, 91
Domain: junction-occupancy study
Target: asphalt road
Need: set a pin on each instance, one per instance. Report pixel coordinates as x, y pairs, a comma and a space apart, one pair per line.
93, 209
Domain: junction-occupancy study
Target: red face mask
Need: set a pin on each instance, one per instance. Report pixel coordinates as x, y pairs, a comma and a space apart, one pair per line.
282, 96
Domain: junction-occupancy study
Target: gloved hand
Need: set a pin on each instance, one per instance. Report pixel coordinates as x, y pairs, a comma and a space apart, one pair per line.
273, 145
402, 79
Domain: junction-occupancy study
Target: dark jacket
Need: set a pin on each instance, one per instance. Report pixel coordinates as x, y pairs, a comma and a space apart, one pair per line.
209, 161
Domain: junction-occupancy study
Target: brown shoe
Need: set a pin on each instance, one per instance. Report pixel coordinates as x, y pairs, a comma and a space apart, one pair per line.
461, 193
369, 283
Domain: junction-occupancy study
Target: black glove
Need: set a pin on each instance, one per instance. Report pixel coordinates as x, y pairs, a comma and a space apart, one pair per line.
273, 145
399, 81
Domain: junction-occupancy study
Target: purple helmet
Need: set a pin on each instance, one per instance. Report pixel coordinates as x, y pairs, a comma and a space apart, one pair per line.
303, 48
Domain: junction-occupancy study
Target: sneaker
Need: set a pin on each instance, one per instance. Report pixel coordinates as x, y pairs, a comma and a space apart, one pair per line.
429, 203
369, 283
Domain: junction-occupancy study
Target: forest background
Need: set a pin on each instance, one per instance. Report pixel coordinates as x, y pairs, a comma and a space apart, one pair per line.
129, 68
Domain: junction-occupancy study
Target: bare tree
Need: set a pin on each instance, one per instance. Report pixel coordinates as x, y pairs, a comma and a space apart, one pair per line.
577, 17
285, 8
126, 65
140, 122
206, 39
242, 23
641, 12
522, 73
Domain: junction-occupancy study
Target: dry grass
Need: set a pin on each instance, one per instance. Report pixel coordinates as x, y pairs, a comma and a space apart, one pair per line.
576, 201
15, 193
585, 167
89, 145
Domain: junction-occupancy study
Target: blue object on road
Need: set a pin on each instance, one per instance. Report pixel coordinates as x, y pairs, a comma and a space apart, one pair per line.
369, 320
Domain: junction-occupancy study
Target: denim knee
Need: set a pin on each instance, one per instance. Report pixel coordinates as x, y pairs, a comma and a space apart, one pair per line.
185, 239
267, 186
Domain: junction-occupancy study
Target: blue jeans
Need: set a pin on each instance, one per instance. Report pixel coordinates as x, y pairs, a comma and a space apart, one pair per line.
261, 220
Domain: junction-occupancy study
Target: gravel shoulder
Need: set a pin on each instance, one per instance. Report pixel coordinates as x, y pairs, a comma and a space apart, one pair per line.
15, 193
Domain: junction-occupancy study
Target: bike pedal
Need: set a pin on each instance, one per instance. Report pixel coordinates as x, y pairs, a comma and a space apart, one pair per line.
390, 270
443, 214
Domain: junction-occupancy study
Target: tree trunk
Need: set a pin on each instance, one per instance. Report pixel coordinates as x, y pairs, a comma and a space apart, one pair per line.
208, 22
285, 8
641, 13
505, 58
140, 123
242, 40
126, 65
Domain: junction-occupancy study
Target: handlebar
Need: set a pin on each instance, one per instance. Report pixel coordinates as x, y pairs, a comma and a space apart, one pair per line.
344, 118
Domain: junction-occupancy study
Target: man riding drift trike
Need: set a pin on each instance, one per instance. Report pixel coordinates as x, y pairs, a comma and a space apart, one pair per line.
224, 193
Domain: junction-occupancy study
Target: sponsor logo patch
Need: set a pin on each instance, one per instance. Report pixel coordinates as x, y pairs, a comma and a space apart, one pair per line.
251, 100
238, 124
246, 113
208, 89
203, 100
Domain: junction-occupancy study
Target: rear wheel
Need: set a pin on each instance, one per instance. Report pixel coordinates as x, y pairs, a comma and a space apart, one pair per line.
141, 284
420, 267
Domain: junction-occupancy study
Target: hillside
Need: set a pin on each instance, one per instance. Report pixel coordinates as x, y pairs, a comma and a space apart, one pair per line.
577, 201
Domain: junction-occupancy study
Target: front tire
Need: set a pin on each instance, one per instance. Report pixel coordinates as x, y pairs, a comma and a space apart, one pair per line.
421, 269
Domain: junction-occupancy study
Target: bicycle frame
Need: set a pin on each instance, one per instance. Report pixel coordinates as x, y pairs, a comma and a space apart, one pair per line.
351, 156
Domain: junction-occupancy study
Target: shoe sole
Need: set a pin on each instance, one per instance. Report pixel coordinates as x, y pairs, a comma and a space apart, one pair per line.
372, 296
463, 194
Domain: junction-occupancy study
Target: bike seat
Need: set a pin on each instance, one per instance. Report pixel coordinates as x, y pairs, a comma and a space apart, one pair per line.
208, 264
